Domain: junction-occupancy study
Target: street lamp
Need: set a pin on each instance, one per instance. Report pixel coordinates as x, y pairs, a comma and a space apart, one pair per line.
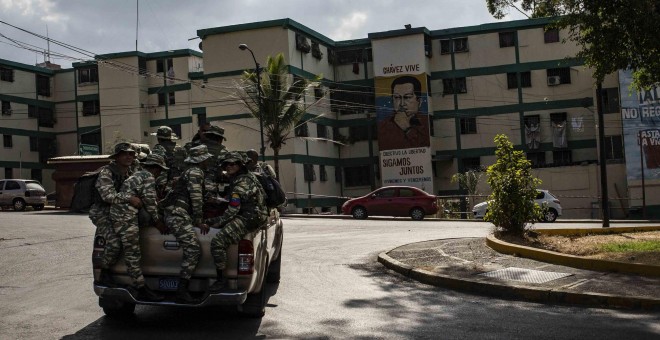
257, 70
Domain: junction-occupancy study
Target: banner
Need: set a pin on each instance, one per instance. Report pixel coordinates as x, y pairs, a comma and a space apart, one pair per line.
410, 167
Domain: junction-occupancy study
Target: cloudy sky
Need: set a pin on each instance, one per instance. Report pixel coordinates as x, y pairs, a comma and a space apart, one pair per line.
98, 26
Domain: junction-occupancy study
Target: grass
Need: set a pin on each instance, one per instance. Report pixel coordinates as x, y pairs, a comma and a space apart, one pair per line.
618, 247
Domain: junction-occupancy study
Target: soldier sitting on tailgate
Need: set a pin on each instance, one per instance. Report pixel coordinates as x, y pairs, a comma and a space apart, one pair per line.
246, 212
125, 221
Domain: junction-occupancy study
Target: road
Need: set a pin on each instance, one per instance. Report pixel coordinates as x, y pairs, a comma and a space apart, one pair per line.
332, 287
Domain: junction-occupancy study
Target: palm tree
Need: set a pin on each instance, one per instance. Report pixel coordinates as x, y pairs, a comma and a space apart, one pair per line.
280, 106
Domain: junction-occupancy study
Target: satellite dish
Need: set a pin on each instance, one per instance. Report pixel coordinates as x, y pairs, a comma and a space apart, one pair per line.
200, 46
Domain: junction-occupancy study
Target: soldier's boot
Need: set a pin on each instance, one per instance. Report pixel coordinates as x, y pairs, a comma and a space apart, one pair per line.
219, 284
105, 279
145, 293
182, 293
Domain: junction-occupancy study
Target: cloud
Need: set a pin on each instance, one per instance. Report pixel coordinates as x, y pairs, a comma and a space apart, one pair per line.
349, 27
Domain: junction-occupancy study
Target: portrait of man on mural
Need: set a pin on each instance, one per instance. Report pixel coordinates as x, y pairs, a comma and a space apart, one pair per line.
406, 127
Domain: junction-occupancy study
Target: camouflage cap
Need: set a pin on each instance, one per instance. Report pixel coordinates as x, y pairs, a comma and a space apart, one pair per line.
155, 159
165, 132
123, 146
216, 130
142, 151
234, 156
198, 154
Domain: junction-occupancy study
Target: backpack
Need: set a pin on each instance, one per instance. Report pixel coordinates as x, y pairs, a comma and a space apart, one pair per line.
275, 195
85, 193
84, 190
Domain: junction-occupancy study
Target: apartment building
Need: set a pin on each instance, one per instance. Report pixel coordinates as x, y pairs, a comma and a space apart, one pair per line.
515, 78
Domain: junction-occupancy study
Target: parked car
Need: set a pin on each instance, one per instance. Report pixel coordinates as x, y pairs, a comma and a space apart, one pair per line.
20, 193
392, 201
547, 201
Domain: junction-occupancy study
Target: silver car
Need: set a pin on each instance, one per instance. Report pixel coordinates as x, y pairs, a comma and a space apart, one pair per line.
20, 193
547, 201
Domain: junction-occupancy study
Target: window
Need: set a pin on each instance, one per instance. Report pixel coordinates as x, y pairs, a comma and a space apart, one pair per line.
142, 65
43, 85
453, 45
610, 100
310, 175
349, 99
91, 107
6, 74
562, 157
360, 133
7, 141
88, 75
558, 117
9, 173
551, 35
468, 125
507, 39
323, 174
536, 158
33, 112
302, 130
34, 143
356, 176
36, 174
160, 65
525, 79
162, 96
6, 108
472, 163
614, 148
318, 92
337, 174
316, 50
46, 117
321, 131
564, 74
456, 85
403, 192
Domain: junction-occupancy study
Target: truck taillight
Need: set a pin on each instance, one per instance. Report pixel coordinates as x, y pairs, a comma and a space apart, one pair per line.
245, 257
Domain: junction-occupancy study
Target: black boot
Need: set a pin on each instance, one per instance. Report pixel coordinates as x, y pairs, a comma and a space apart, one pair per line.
145, 293
219, 284
182, 293
105, 279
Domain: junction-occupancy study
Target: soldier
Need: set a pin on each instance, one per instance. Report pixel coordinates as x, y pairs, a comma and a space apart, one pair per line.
183, 211
108, 183
213, 140
246, 212
198, 138
260, 167
174, 156
124, 219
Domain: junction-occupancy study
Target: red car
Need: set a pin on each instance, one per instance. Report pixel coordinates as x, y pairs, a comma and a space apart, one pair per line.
392, 201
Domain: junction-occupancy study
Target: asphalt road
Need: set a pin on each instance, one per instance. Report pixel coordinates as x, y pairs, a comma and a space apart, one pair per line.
332, 287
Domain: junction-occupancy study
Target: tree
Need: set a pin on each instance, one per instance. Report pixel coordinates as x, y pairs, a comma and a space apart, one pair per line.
468, 181
280, 106
511, 207
614, 34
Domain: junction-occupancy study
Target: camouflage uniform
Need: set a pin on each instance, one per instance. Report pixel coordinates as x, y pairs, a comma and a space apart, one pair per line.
108, 186
246, 212
215, 136
183, 209
174, 158
125, 217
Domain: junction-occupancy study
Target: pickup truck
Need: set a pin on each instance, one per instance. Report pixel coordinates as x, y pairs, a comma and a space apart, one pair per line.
253, 262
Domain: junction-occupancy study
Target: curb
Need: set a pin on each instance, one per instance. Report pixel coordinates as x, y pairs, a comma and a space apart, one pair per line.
518, 292
571, 260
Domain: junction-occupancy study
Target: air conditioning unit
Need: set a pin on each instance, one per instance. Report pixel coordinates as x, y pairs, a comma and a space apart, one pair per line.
554, 80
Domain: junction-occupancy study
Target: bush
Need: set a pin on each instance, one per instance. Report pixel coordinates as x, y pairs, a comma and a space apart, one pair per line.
512, 208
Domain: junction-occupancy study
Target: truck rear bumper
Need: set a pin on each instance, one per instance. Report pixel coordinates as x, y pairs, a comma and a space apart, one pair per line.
226, 298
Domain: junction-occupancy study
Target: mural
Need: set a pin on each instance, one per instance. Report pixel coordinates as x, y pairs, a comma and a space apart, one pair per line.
640, 113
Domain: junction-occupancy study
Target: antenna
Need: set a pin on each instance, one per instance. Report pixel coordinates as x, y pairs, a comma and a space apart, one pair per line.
137, 22
47, 56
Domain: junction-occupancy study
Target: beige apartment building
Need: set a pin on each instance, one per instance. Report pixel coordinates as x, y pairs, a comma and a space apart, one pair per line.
515, 78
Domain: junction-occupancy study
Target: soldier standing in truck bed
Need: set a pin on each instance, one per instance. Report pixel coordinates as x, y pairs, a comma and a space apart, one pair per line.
108, 184
183, 208
174, 156
125, 222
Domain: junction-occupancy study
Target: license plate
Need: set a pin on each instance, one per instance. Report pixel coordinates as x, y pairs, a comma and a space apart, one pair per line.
168, 283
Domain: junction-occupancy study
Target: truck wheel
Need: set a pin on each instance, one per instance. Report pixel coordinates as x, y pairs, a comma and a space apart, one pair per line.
255, 304
116, 309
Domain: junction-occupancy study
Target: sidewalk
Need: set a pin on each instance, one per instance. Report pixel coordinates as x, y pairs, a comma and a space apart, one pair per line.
468, 264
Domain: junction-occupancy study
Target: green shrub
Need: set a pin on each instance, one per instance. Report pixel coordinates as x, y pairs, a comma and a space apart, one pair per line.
512, 208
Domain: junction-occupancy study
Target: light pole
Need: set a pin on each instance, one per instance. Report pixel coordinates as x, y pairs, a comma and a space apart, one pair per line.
257, 70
